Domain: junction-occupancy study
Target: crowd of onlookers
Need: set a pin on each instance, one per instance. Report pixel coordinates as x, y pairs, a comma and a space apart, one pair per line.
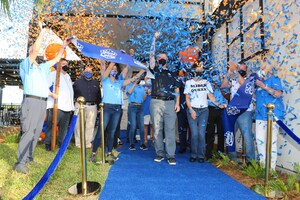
157, 100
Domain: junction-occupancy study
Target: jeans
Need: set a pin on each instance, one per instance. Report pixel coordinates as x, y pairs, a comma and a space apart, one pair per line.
117, 133
111, 115
198, 130
63, 119
136, 118
244, 123
163, 116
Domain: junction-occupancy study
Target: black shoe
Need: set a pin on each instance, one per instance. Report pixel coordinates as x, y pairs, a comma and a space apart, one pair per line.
192, 159
132, 147
93, 158
201, 160
181, 150
48, 147
144, 147
171, 161
111, 157
159, 159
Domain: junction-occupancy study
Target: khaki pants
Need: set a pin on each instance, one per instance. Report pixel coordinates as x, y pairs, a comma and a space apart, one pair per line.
90, 114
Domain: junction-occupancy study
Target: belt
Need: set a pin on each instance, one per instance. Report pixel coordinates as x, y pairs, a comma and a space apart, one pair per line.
163, 98
90, 103
135, 104
194, 108
213, 107
35, 97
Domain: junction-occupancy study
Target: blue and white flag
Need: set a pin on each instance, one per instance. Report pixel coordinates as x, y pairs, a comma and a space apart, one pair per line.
103, 53
239, 104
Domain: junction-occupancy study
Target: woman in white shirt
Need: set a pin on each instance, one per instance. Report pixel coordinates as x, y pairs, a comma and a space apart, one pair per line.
196, 92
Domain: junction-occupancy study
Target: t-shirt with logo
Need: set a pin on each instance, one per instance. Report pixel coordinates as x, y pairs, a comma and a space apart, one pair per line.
197, 91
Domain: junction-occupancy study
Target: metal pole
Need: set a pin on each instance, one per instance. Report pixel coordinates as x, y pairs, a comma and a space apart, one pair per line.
102, 132
81, 101
270, 107
55, 109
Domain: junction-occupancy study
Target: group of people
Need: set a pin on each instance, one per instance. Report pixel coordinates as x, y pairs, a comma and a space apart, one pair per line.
189, 98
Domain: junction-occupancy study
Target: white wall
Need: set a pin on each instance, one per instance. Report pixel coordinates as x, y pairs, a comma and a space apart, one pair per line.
282, 30
12, 95
282, 18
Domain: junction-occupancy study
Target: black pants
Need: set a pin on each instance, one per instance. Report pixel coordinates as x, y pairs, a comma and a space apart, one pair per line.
182, 128
214, 118
63, 119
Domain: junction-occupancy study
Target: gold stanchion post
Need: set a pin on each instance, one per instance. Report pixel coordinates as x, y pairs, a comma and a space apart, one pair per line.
85, 187
260, 188
270, 107
81, 102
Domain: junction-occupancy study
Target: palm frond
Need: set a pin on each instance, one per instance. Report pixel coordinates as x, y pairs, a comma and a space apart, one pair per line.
5, 6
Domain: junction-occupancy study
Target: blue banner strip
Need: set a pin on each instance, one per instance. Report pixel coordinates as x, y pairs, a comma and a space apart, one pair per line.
239, 104
39, 186
103, 53
288, 131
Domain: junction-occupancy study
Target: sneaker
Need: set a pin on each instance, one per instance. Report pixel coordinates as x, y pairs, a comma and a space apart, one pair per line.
144, 147
192, 159
119, 142
171, 161
111, 157
201, 160
132, 147
93, 158
159, 159
21, 168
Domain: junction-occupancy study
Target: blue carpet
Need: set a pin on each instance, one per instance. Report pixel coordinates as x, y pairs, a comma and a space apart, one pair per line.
136, 176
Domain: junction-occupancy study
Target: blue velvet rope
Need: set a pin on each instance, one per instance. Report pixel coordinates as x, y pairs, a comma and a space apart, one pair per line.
288, 131
39, 186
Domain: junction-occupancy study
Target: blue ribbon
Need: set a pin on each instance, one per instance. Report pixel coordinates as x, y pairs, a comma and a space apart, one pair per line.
103, 53
239, 104
287, 130
39, 186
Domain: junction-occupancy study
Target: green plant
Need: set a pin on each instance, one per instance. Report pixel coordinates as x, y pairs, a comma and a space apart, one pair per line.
224, 161
297, 169
12, 135
297, 185
291, 182
255, 170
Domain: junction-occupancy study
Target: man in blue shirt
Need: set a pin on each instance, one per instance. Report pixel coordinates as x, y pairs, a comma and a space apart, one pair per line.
269, 91
33, 110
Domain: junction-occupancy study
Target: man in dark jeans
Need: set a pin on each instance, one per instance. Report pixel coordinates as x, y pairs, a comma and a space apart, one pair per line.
164, 105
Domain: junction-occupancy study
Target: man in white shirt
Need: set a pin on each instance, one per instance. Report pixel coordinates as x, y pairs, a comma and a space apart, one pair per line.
65, 104
234, 79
